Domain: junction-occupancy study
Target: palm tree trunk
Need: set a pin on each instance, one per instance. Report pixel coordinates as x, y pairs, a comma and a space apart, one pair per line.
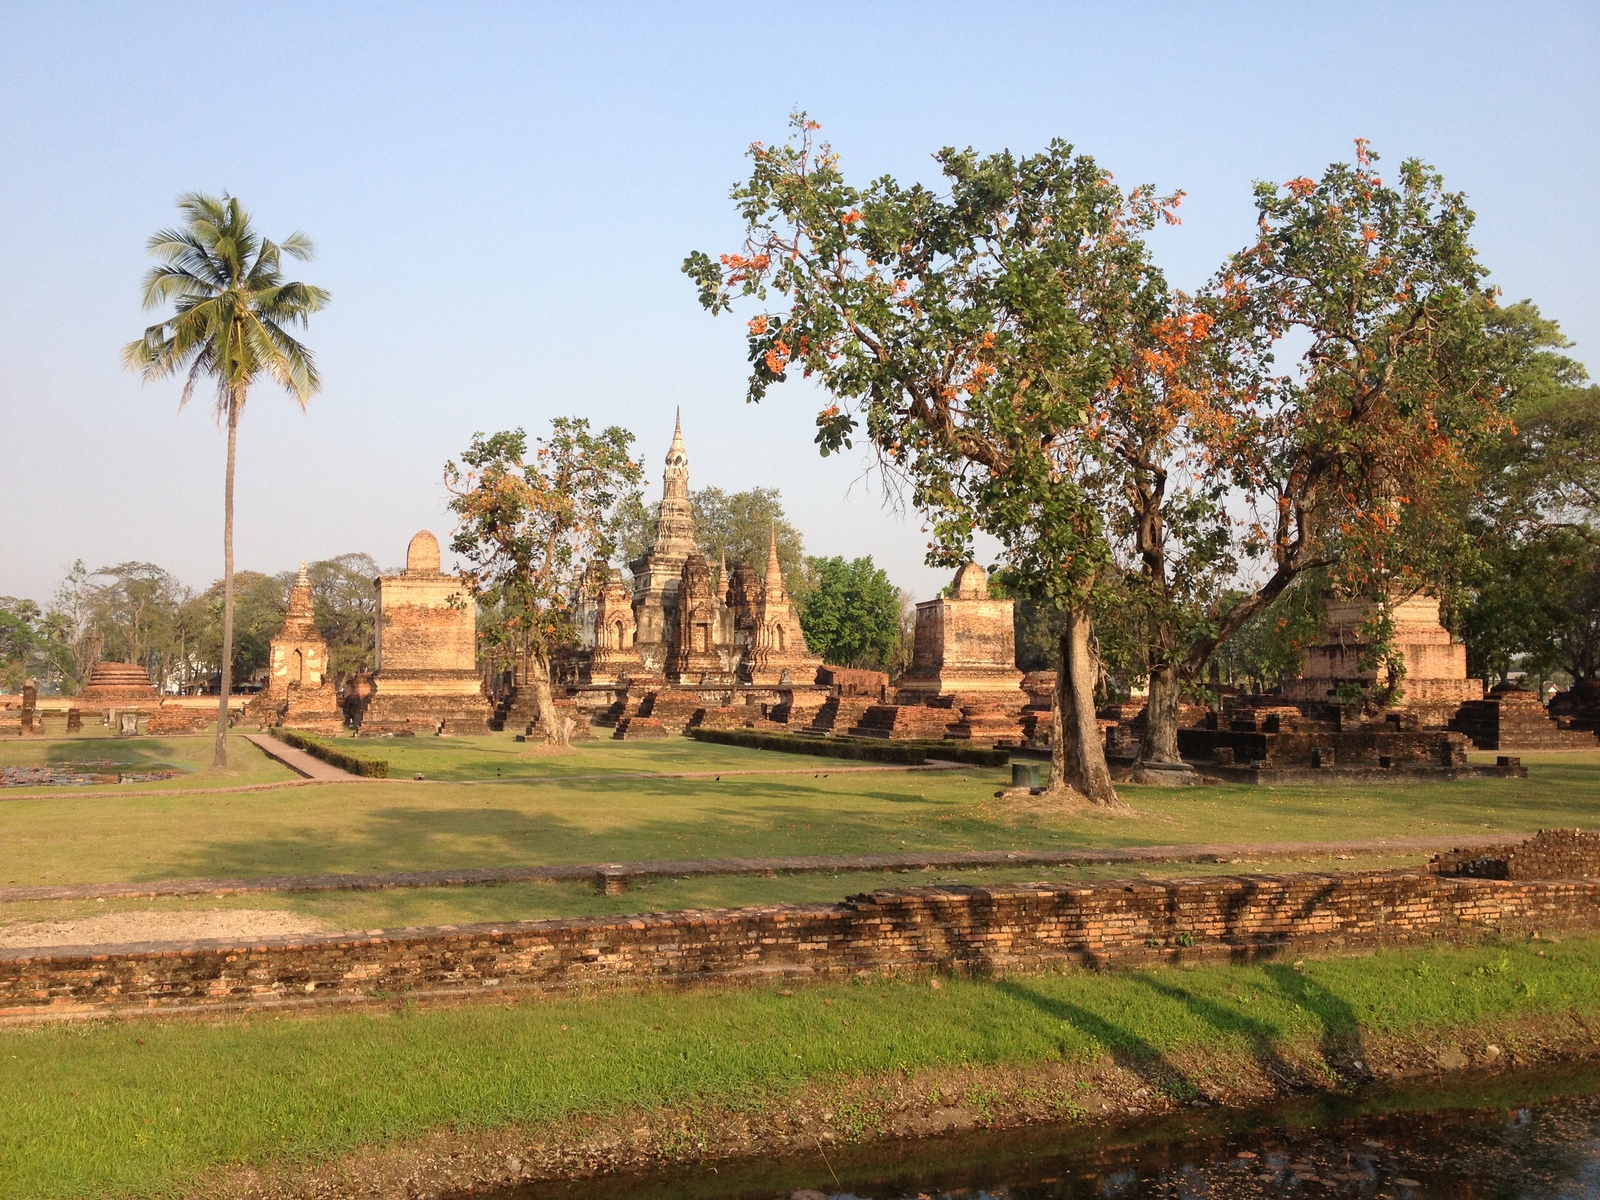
219, 757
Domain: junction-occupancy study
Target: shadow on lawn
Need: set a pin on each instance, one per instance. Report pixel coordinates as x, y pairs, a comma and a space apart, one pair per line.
1339, 1041
127, 752
404, 838
1127, 1049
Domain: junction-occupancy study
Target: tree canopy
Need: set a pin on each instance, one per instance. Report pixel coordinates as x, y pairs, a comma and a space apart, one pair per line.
529, 524
851, 617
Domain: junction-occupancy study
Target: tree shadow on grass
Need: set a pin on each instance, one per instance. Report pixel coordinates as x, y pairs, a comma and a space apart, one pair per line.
1340, 1040
1260, 1036
125, 752
1127, 1049
634, 820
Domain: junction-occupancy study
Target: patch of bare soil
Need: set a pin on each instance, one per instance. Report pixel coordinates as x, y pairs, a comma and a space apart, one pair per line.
881, 1107
120, 928
537, 747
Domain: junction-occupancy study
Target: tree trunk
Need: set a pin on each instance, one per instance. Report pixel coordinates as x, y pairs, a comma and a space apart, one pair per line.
551, 724
1078, 754
219, 757
1160, 744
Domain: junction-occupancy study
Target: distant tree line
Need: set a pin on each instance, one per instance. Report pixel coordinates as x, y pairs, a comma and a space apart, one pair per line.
139, 612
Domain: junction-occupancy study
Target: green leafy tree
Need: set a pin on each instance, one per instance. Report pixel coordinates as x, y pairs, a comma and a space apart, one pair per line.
345, 604
134, 609
233, 310
528, 525
738, 525
22, 641
851, 617
1523, 579
260, 602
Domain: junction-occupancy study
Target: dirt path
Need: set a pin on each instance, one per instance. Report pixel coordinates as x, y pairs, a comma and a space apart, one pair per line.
618, 874
125, 927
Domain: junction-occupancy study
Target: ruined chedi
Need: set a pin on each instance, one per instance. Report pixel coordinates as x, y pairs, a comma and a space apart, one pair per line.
1435, 683
426, 678
963, 681
298, 693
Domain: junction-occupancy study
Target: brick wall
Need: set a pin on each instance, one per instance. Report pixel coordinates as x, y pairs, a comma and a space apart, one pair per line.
962, 929
1551, 854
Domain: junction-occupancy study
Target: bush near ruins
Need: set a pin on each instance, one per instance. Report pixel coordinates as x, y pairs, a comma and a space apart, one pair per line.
371, 768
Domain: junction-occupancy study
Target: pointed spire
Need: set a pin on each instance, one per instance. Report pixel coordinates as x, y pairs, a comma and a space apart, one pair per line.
724, 583
303, 579
774, 579
675, 453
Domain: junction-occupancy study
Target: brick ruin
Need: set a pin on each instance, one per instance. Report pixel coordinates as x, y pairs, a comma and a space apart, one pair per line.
1579, 706
1303, 732
963, 682
1512, 718
298, 692
1546, 886
426, 678
690, 643
125, 700
1435, 683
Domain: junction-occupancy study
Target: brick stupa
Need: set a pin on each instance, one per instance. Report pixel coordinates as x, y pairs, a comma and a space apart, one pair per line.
427, 651
777, 654
118, 685
298, 694
1436, 682
963, 681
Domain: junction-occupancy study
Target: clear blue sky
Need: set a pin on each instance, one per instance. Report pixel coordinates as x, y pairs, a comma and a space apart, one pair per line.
502, 194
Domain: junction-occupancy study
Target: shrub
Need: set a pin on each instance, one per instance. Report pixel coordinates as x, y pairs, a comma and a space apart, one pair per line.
903, 753
371, 768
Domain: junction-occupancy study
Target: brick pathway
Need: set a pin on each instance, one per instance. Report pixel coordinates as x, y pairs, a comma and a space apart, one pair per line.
299, 761
615, 876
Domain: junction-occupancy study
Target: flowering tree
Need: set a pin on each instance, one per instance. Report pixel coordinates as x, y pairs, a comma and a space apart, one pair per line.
974, 337
1349, 454
528, 525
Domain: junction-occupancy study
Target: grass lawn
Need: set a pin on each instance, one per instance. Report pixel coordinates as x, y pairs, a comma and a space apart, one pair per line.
496, 756
143, 1106
402, 907
190, 756
120, 834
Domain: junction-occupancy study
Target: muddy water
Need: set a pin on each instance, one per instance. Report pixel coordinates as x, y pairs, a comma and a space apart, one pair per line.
1507, 1137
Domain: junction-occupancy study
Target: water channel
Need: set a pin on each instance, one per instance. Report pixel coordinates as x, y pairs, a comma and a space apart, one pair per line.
1505, 1137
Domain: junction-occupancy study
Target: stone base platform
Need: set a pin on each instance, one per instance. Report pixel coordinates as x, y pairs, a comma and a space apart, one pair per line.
906, 722
1513, 719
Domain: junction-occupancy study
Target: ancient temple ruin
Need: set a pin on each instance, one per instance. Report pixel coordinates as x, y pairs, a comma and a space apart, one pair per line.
298, 693
690, 642
963, 681
426, 650
1435, 683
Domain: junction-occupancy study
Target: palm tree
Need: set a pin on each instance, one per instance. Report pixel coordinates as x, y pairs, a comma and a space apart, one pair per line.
232, 308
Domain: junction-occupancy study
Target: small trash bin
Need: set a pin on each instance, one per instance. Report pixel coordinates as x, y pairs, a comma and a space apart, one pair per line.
1029, 774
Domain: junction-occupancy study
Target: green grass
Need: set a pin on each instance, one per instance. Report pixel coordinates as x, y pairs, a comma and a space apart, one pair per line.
190, 756
119, 834
497, 757
402, 907
147, 1107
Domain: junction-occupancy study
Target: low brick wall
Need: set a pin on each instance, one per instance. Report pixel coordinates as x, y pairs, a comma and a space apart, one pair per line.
976, 930
1550, 854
